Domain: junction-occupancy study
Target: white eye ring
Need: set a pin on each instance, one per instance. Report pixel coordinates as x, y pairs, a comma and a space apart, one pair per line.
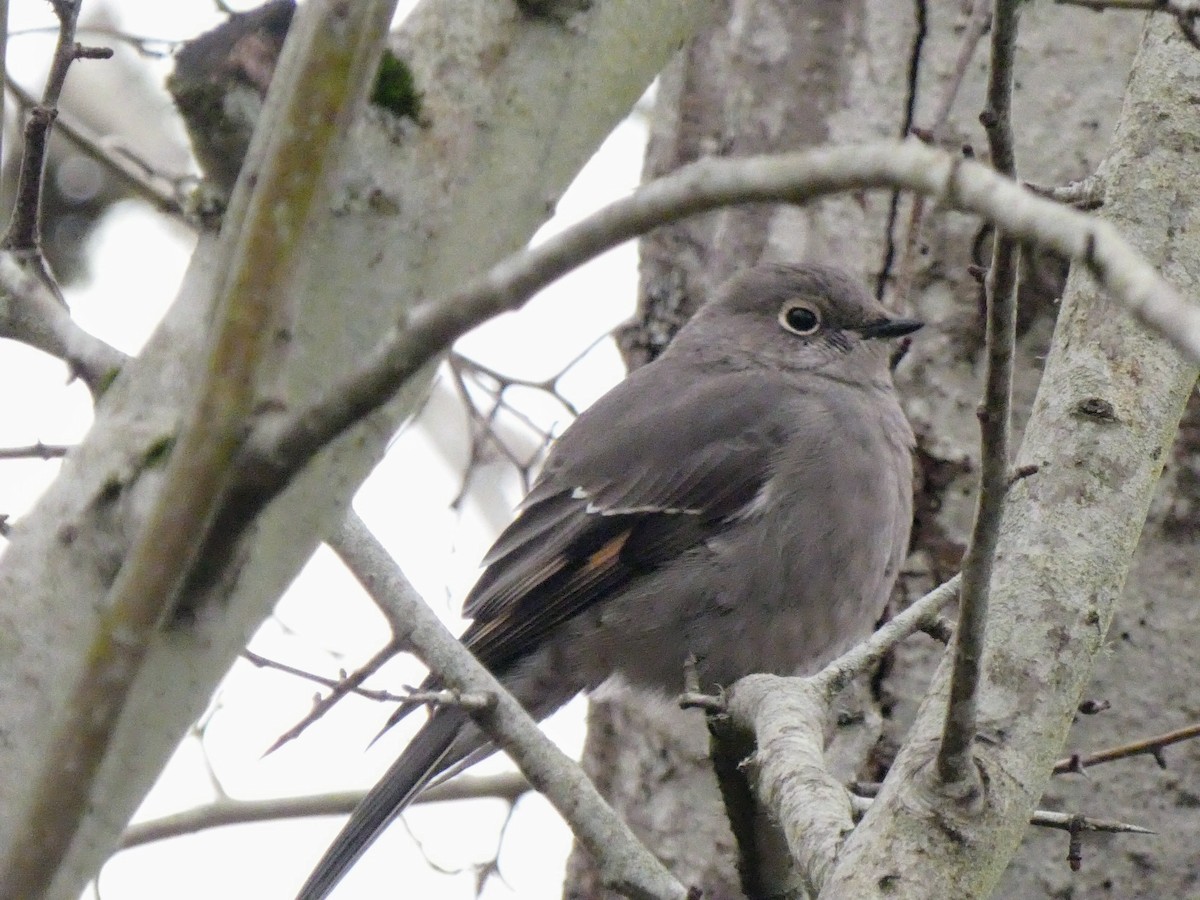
800, 318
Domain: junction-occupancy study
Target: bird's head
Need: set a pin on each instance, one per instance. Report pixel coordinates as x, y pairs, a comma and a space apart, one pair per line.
796, 317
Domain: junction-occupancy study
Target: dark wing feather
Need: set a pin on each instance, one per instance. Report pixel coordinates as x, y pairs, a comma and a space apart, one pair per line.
630, 485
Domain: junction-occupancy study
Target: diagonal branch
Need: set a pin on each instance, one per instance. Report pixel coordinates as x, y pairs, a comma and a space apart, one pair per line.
625, 864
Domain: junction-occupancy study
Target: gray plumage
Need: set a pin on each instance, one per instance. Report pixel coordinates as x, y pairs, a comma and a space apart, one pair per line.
746, 499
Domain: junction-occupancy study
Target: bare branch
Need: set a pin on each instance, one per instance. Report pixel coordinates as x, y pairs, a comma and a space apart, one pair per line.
345, 683
145, 45
787, 717
35, 451
1152, 746
1043, 818
955, 759
919, 616
509, 786
625, 864
24, 228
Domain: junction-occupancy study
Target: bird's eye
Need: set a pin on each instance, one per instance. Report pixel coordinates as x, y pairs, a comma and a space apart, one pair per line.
799, 318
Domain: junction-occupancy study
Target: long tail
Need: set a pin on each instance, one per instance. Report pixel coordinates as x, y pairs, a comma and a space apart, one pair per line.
429, 753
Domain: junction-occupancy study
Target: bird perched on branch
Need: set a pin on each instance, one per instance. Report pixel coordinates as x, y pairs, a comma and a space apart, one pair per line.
743, 501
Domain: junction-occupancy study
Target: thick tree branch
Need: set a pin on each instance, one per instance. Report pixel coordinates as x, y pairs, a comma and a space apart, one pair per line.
342, 51
626, 865
955, 761
1043, 818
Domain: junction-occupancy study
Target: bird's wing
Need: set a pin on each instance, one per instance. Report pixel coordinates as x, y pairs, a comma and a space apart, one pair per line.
652, 470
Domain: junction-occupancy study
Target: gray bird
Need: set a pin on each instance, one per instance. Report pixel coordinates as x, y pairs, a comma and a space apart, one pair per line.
744, 499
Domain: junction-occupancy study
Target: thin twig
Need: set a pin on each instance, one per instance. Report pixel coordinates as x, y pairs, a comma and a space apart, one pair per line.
23, 235
145, 45
509, 786
955, 758
482, 423
625, 864
344, 684
1044, 819
920, 615
35, 451
350, 684
1152, 746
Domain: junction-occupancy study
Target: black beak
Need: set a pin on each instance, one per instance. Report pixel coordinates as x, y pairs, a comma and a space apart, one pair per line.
889, 328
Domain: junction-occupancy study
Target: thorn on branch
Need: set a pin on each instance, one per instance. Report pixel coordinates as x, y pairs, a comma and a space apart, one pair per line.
471, 702
1085, 194
1020, 473
940, 629
82, 52
712, 704
1075, 845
